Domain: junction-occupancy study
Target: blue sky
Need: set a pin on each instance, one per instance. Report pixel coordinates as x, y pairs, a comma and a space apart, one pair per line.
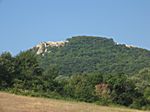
25, 23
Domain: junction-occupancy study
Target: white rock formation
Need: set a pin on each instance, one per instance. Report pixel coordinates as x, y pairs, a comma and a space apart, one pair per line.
42, 47
129, 46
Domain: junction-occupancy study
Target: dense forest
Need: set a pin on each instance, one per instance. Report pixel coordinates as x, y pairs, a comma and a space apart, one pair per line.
90, 69
85, 54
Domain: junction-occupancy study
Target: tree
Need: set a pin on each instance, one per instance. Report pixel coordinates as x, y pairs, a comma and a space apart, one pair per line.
122, 89
142, 79
6, 70
27, 70
147, 94
78, 87
49, 79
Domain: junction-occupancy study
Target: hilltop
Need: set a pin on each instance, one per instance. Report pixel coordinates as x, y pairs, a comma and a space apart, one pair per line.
85, 54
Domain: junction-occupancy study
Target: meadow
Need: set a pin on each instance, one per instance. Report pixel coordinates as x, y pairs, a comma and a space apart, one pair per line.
15, 103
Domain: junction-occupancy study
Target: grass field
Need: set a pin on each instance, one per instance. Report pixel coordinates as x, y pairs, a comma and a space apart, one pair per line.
14, 103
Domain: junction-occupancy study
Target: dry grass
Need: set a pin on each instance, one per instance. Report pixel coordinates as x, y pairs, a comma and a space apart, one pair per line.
14, 103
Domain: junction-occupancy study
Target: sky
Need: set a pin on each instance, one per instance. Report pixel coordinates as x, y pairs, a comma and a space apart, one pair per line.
25, 23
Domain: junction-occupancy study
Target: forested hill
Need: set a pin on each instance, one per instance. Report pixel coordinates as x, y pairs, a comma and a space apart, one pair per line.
104, 72
85, 54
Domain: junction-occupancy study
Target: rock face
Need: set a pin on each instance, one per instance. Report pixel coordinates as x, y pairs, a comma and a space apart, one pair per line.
42, 47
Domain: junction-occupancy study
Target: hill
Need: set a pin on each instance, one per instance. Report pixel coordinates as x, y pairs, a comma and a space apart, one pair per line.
86, 54
14, 103
90, 69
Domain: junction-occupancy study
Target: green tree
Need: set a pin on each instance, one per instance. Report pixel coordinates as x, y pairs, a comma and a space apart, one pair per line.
142, 79
6, 70
122, 90
78, 87
28, 73
49, 79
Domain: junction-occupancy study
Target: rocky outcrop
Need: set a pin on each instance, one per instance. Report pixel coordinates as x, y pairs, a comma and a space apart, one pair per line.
42, 47
129, 46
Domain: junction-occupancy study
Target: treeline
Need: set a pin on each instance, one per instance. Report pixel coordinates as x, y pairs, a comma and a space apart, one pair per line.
23, 75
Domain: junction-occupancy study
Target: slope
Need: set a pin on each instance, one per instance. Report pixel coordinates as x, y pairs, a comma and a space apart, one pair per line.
84, 54
14, 103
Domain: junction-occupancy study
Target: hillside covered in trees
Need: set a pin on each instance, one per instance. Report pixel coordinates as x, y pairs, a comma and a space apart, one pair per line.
90, 69
85, 54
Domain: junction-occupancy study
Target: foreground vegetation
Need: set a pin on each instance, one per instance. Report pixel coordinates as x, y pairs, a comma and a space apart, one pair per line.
13, 103
24, 74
